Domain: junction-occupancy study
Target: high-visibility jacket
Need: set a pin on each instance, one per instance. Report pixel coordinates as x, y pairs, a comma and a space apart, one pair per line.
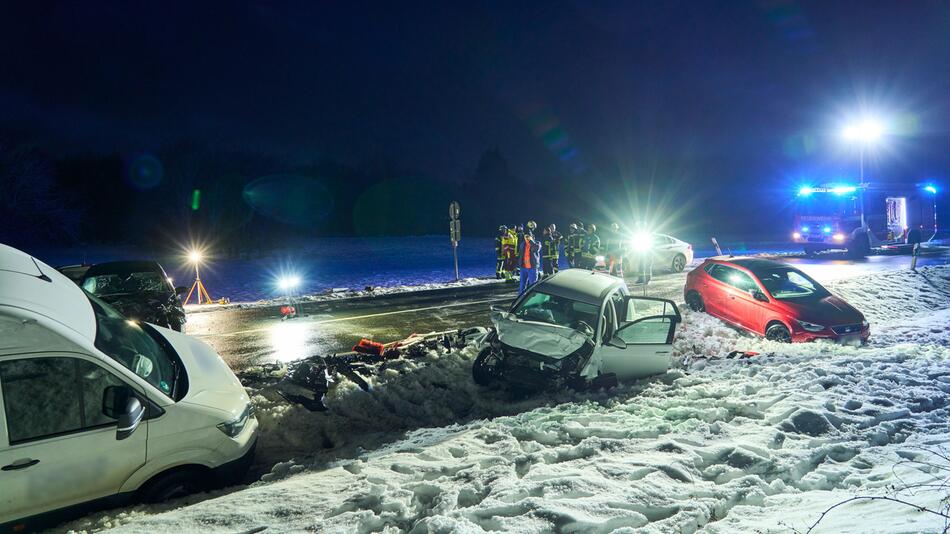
529, 252
591, 246
500, 247
550, 244
510, 240
572, 247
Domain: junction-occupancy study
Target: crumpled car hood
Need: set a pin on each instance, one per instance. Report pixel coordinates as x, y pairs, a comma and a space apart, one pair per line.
545, 339
148, 306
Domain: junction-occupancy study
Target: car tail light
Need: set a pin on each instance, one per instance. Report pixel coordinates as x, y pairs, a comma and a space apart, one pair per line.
689, 247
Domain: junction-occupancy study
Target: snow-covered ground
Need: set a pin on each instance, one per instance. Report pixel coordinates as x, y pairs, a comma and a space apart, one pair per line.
763, 444
342, 294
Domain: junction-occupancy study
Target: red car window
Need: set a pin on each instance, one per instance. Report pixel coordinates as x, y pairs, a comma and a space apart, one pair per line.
733, 277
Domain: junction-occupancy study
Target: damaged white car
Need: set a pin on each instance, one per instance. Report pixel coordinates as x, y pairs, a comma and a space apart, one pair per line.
577, 329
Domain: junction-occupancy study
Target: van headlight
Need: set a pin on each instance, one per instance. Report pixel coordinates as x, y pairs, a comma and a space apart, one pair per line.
811, 327
234, 427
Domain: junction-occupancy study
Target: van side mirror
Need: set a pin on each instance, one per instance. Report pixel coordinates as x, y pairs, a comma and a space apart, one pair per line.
181, 290
616, 342
130, 418
759, 296
118, 402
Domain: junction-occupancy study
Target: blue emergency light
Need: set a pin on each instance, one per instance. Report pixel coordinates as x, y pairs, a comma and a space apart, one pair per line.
843, 189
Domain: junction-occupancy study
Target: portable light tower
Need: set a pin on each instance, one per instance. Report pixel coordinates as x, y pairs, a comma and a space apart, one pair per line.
195, 257
866, 133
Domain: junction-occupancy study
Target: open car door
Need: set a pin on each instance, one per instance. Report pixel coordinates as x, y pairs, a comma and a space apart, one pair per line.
642, 345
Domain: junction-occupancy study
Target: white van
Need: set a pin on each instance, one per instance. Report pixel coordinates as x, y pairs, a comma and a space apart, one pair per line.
96, 409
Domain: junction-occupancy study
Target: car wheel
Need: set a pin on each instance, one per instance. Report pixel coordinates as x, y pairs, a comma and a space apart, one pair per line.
695, 301
172, 485
483, 368
679, 263
779, 333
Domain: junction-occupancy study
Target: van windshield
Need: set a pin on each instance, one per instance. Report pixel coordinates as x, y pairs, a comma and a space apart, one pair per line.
137, 347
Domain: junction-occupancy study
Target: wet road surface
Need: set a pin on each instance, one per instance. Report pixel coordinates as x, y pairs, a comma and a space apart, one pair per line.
257, 335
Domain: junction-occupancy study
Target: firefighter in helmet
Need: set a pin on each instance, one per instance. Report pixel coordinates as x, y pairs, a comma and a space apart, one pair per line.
590, 248
500, 252
509, 248
550, 250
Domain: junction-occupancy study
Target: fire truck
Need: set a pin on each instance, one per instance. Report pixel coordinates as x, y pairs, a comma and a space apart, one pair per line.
862, 217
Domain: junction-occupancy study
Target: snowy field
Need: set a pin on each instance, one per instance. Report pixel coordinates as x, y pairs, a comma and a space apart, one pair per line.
324, 264
764, 444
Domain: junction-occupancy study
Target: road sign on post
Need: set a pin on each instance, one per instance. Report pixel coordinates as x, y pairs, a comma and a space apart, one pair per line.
455, 233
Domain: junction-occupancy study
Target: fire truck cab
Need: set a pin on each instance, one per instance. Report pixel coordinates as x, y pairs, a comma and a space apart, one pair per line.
860, 217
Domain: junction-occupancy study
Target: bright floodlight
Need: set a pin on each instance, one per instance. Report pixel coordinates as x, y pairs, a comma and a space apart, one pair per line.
642, 241
288, 282
805, 191
930, 189
865, 131
194, 256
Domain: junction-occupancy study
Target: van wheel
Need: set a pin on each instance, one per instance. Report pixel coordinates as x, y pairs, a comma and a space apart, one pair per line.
484, 371
860, 247
172, 485
679, 263
778, 333
695, 301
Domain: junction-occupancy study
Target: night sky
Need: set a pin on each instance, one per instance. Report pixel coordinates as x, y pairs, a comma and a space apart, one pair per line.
707, 107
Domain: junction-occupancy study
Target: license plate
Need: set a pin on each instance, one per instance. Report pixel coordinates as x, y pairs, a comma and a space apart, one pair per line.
850, 339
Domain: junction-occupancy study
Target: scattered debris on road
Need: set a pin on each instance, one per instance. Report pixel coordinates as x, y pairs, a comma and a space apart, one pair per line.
307, 381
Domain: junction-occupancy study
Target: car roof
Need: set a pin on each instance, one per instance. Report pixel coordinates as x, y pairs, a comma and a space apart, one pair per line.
581, 285
753, 264
31, 286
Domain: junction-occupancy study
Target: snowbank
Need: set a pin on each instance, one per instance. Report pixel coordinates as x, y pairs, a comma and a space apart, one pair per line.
762, 444
343, 293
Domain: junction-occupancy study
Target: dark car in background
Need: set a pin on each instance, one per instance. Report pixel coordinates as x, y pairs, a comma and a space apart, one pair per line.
140, 290
774, 300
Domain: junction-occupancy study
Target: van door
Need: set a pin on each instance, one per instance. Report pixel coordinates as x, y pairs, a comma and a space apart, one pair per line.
643, 343
57, 446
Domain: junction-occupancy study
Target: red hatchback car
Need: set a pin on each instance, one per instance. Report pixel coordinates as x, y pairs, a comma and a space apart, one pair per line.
774, 300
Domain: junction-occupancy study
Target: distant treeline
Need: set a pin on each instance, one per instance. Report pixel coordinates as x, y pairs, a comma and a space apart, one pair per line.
241, 200
244, 201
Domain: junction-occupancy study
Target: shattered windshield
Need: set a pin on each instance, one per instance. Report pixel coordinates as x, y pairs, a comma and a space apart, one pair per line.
542, 307
115, 283
790, 283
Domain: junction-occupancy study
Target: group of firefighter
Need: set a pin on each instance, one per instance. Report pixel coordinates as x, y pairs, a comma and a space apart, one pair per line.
521, 255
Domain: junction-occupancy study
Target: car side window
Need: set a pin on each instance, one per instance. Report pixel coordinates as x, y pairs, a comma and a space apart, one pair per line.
733, 277
44, 397
652, 331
